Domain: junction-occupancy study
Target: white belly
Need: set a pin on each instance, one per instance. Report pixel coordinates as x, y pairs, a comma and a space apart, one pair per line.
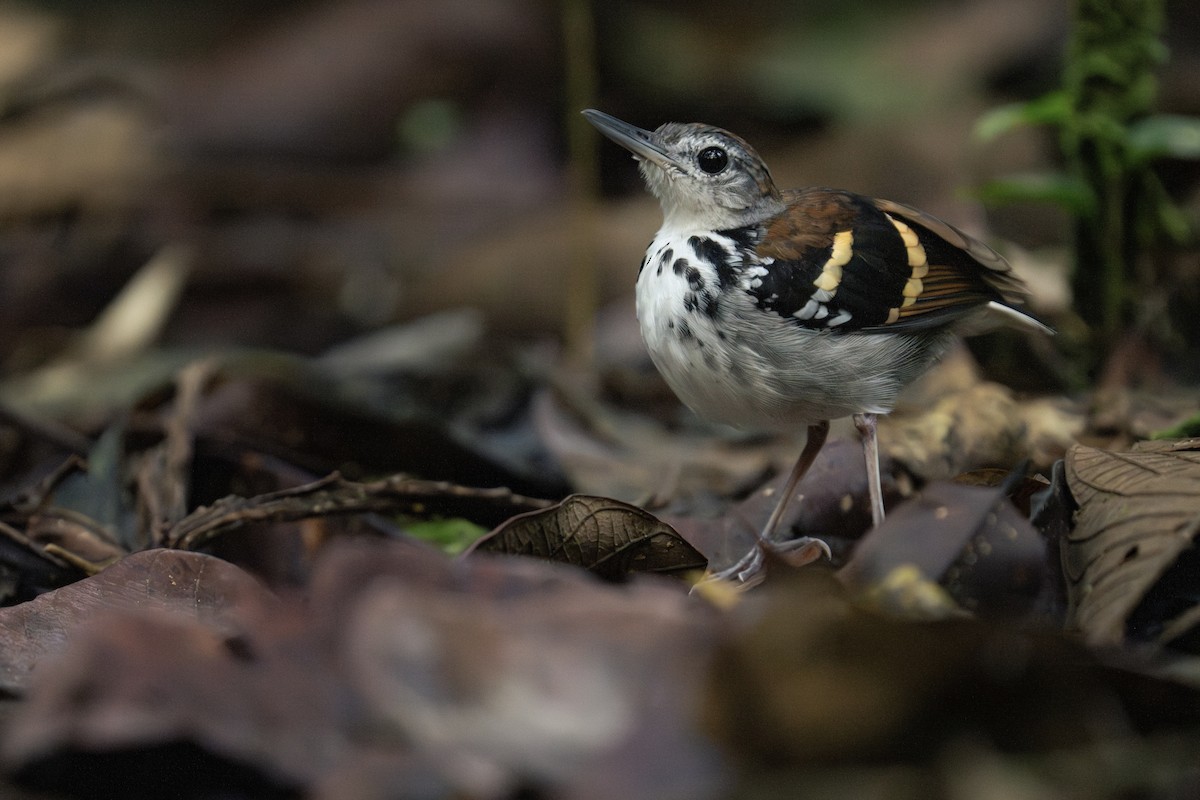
732, 362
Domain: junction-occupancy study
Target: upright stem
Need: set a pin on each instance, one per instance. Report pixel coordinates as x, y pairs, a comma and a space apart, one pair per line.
1110, 82
581, 302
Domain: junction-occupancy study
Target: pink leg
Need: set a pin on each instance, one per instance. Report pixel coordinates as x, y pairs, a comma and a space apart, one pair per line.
866, 427
816, 440
750, 564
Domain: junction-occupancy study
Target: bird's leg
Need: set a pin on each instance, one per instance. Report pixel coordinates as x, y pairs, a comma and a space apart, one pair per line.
816, 440
866, 428
752, 561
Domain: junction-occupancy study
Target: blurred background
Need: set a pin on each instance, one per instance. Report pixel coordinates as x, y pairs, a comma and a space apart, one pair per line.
295, 175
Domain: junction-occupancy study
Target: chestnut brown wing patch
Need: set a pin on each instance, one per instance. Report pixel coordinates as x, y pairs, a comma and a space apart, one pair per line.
830, 261
839, 261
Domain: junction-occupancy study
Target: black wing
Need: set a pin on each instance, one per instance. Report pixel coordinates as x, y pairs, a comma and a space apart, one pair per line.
839, 261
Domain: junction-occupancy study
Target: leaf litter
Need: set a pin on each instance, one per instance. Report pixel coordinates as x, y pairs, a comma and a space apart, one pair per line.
207, 594
213, 588
1130, 561
499, 672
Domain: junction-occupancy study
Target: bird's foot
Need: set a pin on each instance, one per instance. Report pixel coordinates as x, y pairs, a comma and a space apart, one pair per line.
748, 568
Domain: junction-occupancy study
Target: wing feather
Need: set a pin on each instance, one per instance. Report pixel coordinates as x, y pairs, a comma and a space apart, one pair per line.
841, 261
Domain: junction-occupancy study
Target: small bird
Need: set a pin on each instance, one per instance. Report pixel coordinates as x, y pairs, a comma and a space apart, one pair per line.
773, 309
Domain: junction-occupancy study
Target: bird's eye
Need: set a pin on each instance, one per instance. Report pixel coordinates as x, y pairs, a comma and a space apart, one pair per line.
712, 160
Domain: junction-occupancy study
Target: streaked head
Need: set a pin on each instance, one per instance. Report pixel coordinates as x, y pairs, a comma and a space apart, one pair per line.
704, 177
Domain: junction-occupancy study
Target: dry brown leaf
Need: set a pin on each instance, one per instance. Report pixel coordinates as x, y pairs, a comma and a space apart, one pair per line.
984, 425
543, 683
815, 679
627, 455
608, 537
137, 701
969, 539
1139, 514
193, 585
480, 675
830, 503
535, 668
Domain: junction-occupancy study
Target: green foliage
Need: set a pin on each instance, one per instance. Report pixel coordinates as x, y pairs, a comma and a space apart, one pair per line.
429, 126
1164, 136
452, 536
1049, 109
1185, 429
1059, 188
1109, 140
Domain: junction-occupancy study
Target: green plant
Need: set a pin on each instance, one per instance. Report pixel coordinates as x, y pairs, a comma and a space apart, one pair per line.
1109, 140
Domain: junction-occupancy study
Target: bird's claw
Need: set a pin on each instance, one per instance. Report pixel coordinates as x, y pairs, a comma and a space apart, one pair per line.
800, 551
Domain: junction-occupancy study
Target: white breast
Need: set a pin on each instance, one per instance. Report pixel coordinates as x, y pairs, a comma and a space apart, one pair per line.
733, 362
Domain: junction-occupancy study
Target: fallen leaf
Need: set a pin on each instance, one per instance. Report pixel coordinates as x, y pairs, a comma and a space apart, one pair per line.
624, 455
401, 667
968, 539
608, 537
981, 426
830, 504
196, 586
1130, 561
535, 668
812, 679
153, 693
541, 683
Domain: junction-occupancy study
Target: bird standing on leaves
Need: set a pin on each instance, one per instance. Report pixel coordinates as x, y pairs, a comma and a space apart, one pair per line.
769, 308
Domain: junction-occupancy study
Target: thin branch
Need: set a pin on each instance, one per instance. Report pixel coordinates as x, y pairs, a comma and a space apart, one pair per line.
333, 494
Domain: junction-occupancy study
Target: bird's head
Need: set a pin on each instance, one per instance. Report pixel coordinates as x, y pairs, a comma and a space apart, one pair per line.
705, 177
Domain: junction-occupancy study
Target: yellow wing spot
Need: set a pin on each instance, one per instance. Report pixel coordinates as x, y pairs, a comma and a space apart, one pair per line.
829, 278
913, 288
906, 233
840, 254
916, 253
893, 315
843, 249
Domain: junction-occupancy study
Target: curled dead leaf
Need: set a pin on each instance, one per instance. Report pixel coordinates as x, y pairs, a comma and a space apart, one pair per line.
608, 537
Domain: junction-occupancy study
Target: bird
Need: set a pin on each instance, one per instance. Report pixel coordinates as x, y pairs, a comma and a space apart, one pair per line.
774, 309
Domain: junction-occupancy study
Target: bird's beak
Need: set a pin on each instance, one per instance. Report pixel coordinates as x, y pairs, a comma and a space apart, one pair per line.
637, 141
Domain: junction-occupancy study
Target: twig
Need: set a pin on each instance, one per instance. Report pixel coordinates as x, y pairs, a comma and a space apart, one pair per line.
32, 498
165, 472
397, 494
